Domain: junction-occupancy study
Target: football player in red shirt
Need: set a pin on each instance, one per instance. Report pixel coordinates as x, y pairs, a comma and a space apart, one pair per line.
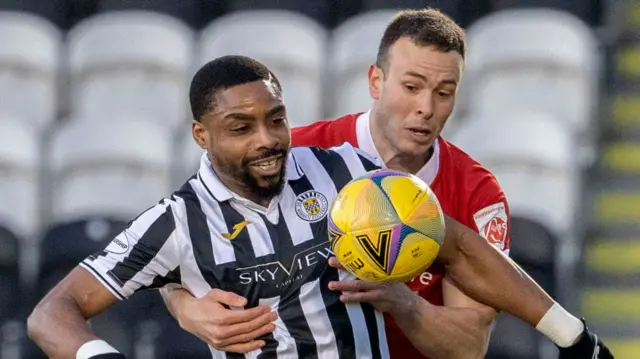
413, 85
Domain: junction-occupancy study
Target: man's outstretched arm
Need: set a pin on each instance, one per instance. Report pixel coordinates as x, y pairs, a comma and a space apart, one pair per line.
488, 276
58, 324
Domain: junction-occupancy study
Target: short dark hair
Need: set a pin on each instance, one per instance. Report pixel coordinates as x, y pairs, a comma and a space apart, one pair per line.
222, 73
425, 27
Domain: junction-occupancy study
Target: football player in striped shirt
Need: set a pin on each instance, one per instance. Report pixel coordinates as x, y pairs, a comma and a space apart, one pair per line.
233, 229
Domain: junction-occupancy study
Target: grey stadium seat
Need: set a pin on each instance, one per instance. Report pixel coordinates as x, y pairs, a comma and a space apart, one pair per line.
186, 10
55, 11
449, 7
29, 64
133, 63
320, 10
588, 11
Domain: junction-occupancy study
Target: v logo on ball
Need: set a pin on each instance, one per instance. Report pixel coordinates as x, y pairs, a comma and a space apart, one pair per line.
379, 252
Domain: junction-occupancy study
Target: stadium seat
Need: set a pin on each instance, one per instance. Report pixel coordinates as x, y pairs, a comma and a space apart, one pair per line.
185, 10
133, 63
189, 155
587, 10
290, 44
538, 60
449, 7
353, 49
19, 170
54, 11
532, 158
322, 11
29, 62
113, 167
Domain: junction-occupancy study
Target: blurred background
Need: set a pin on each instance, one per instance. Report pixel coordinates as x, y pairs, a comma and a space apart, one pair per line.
95, 127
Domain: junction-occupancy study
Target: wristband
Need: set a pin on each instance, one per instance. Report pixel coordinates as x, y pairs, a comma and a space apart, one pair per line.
98, 349
560, 326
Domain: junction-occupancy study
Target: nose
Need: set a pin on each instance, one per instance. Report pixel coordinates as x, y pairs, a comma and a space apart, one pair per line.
425, 106
265, 138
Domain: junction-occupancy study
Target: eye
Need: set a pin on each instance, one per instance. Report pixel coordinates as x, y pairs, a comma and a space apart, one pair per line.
410, 87
240, 129
279, 120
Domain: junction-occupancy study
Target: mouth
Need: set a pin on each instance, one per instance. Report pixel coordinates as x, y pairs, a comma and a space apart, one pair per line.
420, 134
269, 166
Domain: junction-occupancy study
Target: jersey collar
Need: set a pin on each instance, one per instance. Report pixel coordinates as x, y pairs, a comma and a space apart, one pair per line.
365, 141
222, 193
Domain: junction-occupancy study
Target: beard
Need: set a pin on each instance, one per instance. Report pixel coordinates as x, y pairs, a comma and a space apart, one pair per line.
263, 187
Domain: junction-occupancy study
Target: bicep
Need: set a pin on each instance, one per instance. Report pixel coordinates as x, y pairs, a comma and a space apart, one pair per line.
454, 298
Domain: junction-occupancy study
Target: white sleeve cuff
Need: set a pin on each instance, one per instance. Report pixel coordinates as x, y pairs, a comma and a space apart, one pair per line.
93, 348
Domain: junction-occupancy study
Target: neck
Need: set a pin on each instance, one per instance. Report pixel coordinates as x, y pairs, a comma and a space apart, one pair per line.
392, 157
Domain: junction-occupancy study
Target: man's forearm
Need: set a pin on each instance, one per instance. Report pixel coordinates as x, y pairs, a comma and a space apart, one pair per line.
59, 328
488, 276
172, 296
445, 333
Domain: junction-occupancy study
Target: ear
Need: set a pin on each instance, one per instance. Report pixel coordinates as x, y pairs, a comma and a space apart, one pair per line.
200, 134
376, 77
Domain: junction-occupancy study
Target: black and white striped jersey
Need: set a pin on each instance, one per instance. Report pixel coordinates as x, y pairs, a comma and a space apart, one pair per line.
204, 236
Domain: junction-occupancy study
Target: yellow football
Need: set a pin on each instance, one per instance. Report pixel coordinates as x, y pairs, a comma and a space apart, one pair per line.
386, 226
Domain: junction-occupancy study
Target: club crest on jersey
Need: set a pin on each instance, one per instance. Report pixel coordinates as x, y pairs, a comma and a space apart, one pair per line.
311, 206
492, 224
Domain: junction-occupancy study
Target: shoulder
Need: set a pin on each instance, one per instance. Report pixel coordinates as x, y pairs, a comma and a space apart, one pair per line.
326, 133
344, 155
459, 165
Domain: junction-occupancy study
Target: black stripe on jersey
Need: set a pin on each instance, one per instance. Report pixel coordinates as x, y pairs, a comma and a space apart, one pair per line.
245, 254
372, 328
368, 165
336, 310
289, 307
334, 165
147, 247
199, 234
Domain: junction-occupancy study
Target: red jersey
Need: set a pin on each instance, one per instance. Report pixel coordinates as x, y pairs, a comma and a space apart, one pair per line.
467, 192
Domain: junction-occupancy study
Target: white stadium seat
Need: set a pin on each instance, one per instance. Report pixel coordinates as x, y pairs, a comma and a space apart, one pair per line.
189, 154
29, 63
290, 44
353, 49
538, 60
531, 155
115, 167
131, 62
19, 176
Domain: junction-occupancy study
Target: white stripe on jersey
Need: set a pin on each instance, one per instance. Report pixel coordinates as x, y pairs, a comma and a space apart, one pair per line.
315, 312
196, 284
222, 249
258, 234
299, 228
286, 344
322, 182
350, 157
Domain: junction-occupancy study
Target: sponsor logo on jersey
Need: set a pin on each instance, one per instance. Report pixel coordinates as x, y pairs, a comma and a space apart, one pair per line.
492, 224
236, 230
312, 206
119, 245
283, 274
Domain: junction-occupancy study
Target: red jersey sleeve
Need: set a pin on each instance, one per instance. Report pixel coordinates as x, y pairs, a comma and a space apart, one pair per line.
489, 212
326, 134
